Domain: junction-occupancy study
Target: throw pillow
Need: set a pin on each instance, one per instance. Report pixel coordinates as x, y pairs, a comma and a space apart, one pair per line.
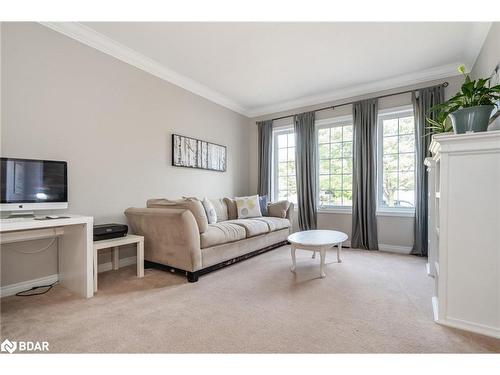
210, 210
220, 207
191, 204
278, 209
248, 207
263, 201
232, 212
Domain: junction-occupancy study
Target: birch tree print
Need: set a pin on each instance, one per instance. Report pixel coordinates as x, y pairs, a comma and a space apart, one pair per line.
195, 153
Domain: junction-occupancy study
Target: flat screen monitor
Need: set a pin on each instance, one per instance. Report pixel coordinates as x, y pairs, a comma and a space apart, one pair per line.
28, 184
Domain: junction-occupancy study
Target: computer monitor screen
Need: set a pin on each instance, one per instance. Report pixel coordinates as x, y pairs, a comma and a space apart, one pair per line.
32, 181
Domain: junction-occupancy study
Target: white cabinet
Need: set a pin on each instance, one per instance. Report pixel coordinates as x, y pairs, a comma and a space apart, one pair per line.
464, 230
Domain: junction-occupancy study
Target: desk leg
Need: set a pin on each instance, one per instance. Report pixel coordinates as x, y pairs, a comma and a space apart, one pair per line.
116, 258
314, 254
77, 260
95, 270
140, 258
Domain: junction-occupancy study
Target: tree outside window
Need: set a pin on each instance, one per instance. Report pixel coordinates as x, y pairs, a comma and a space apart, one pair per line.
397, 164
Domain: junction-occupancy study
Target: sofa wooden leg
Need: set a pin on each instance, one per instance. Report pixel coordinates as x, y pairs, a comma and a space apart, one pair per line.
192, 277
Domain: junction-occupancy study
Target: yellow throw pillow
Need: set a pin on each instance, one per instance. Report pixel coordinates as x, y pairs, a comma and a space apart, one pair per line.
248, 207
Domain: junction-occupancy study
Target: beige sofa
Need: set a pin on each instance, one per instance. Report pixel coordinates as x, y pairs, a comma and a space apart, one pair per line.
178, 238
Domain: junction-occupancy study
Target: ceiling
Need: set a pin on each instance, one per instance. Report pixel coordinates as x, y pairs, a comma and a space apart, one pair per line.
260, 68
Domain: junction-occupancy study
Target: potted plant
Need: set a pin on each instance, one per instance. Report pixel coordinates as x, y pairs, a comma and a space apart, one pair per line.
469, 110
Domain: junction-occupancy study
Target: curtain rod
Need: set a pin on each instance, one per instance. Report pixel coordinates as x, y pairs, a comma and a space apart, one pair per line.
444, 84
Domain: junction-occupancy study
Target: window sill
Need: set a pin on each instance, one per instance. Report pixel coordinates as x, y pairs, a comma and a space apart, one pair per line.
335, 210
397, 213
348, 211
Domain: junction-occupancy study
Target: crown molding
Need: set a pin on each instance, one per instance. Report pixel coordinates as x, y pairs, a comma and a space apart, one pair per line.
439, 72
92, 38
472, 48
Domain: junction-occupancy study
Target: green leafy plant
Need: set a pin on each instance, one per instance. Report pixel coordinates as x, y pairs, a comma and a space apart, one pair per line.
471, 94
441, 124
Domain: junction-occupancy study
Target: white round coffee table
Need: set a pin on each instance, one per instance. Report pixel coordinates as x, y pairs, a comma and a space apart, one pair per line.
317, 240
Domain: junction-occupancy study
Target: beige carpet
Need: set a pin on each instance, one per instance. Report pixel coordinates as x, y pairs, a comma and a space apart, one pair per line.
372, 302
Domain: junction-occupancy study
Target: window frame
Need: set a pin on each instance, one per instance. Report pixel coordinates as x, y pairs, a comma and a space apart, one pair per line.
384, 114
330, 123
281, 130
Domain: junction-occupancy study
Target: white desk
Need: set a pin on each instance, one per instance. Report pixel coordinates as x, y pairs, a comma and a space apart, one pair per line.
75, 246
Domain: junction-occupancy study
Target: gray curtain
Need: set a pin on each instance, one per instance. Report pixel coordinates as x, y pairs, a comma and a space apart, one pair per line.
364, 206
422, 101
265, 157
306, 172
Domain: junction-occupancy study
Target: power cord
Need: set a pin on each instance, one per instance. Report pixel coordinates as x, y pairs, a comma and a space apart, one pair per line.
32, 291
39, 250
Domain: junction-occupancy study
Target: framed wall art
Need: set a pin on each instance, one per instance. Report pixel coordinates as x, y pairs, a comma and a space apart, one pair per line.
194, 153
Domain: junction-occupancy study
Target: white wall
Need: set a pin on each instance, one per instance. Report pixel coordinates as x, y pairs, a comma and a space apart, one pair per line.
394, 233
489, 56
112, 123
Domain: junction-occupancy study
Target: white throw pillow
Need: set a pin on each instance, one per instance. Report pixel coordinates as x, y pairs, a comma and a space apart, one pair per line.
210, 210
248, 206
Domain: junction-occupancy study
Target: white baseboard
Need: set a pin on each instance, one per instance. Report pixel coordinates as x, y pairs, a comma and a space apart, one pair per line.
108, 266
10, 290
395, 248
471, 326
389, 248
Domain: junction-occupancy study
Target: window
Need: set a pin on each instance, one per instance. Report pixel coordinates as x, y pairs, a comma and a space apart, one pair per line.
335, 162
285, 186
396, 159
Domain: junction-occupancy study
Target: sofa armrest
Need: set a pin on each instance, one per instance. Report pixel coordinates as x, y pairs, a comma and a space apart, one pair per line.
171, 236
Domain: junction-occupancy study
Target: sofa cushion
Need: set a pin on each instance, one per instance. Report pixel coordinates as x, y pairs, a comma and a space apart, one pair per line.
275, 223
252, 227
191, 204
220, 233
278, 209
232, 212
220, 207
